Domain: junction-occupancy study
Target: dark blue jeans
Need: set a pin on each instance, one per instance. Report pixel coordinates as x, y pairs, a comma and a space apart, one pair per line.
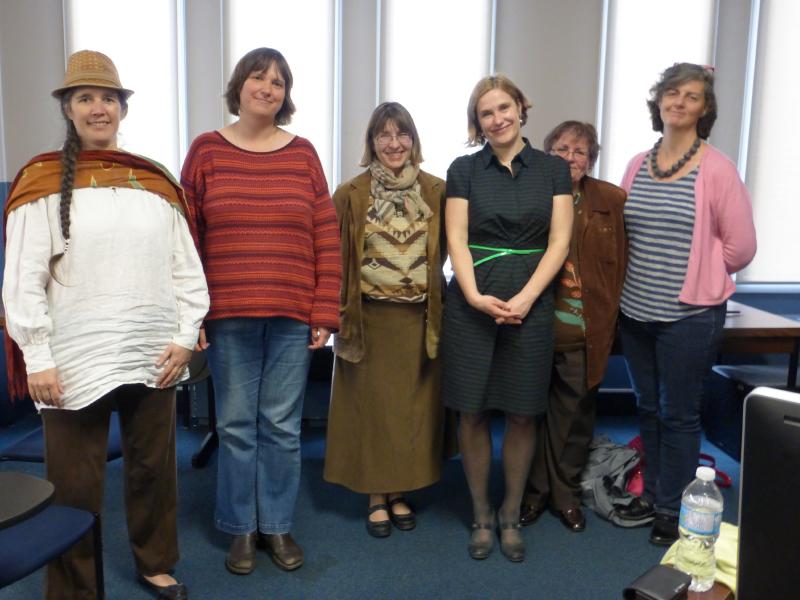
668, 364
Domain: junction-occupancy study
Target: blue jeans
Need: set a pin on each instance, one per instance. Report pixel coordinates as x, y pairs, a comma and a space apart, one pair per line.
259, 367
668, 364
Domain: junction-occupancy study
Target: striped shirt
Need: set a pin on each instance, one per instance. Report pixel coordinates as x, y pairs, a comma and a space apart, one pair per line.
266, 230
659, 219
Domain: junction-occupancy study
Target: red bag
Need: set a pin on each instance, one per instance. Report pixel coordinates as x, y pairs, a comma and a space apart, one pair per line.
636, 479
635, 484
722, 480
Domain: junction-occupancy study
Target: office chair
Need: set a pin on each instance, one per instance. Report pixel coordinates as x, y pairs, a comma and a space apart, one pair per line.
30, 447
198, 372
32, 543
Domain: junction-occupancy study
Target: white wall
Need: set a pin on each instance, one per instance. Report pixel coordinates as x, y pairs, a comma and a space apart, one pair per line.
551, 48
31, 66
359, 79
731, 69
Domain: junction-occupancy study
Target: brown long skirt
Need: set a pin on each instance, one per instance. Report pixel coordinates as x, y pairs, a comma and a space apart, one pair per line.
386, 421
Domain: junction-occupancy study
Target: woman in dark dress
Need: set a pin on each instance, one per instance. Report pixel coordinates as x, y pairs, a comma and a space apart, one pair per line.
508, 220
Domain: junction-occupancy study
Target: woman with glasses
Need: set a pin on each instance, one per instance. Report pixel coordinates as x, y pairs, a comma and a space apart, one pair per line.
385, 427
587, 295
509, 219
690, 226
269, 243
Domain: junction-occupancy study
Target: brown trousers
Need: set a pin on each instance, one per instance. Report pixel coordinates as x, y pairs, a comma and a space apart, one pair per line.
75, 452
563, 435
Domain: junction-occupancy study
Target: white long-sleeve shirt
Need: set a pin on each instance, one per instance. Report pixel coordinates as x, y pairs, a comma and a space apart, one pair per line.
130, 284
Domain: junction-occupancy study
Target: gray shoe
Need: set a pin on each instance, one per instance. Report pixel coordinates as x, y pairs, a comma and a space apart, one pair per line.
511, 544
480, 545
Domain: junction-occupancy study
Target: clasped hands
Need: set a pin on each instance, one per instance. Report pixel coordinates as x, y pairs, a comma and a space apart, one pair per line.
510, 312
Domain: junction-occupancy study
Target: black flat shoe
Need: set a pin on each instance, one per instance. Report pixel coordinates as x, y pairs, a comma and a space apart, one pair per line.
479, 548
513, 550
664, 531
402, 522
379, 529
639, 511
176, 591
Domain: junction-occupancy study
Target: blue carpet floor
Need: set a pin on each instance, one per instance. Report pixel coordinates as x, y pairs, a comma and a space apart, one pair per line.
343, 562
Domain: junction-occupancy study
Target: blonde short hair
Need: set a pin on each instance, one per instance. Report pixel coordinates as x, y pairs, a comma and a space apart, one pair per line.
488, 83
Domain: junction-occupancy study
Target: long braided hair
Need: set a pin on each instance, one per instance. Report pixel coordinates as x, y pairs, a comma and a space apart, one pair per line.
69, 160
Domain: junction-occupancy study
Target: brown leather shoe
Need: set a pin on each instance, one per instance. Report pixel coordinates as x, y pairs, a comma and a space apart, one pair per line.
529, 514
283, 550
573, 519
241, 557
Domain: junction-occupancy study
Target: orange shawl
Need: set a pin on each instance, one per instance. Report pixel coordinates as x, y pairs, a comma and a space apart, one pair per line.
96, 168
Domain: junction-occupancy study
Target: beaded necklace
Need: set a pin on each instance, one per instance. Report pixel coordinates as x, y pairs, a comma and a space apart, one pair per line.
676, 166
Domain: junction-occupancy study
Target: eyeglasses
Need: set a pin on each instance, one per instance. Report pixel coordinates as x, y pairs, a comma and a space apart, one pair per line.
384, 139
564, 152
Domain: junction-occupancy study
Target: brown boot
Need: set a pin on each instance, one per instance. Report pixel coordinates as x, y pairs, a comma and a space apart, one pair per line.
283, 550
241, 557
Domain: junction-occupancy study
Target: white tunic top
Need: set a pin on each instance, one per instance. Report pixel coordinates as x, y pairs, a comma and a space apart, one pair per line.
130, 284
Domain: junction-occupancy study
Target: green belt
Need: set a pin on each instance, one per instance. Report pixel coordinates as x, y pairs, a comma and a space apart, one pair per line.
498, 252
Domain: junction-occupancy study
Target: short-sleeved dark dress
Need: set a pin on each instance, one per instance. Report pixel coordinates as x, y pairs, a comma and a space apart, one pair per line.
485, 365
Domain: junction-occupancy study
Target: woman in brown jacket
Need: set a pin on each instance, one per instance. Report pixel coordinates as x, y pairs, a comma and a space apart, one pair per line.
587, 295
385, 427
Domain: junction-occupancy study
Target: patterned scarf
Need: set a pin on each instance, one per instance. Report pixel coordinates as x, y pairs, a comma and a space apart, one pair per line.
395, 194
95, 168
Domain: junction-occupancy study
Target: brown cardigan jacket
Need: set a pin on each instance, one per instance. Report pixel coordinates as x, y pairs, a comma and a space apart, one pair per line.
603, 255
351, 200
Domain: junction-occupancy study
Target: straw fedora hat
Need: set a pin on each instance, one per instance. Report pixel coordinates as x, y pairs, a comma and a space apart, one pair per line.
91, 68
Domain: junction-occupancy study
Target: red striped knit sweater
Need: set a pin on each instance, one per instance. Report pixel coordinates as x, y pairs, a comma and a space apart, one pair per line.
265, 229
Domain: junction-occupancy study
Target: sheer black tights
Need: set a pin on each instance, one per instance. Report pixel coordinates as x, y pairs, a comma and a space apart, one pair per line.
476, 453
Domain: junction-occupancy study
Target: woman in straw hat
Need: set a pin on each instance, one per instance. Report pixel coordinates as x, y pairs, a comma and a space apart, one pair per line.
104, 294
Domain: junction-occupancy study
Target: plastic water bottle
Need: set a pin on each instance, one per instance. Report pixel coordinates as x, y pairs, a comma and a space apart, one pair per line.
699, 523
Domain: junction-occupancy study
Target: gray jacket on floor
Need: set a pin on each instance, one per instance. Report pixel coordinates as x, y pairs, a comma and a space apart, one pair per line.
604, 479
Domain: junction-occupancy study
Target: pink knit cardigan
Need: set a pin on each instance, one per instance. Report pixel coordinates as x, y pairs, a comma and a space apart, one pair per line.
724, 236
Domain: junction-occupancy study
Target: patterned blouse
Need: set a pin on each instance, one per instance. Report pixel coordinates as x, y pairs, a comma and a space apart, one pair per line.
394, 267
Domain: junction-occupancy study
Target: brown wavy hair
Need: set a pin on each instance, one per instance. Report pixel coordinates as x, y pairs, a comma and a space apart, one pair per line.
677, 75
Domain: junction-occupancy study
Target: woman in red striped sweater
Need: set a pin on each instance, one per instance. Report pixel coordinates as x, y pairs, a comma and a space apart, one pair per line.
268, 237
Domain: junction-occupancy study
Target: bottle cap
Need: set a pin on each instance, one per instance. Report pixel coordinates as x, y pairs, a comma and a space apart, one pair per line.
705, 473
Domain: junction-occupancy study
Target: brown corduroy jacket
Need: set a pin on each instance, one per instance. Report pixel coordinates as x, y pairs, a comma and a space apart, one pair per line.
603, 255
351, 201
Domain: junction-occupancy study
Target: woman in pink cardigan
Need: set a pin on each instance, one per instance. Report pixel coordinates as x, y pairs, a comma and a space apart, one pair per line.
690, 226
